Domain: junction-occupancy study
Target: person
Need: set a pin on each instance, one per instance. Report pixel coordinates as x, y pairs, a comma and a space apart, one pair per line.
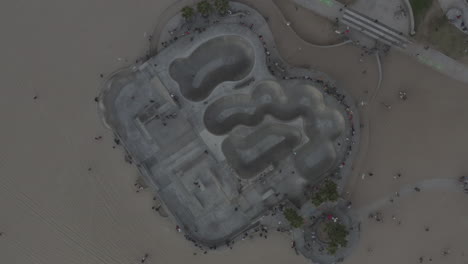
463, 179
143, 259
388, 106
403, 95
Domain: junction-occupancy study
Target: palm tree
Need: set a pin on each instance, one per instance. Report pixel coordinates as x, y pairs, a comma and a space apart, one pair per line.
204, 8
337, 234
293, 217
188, 12
222, 6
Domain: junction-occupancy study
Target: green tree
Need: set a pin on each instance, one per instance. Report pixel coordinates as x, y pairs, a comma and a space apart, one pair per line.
188, 12
205, 8
327, 192
337, 234
294, 219
222, 6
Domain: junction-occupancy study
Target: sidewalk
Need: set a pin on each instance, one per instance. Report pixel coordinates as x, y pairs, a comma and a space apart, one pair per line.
430, 57
326, 8
439, 62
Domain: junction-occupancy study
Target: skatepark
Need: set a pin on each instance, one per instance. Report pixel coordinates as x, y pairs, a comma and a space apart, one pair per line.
219, 137
69, 190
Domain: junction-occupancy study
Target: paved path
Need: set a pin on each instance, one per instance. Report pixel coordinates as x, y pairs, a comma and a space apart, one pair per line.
433, 58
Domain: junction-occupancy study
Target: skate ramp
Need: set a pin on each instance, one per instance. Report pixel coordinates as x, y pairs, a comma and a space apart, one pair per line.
267, 145
221, 59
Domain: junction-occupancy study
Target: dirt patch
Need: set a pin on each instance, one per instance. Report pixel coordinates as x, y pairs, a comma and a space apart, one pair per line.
437, 32
420, 9
322, 234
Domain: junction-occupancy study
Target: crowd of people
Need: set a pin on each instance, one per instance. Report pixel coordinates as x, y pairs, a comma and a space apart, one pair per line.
464, 181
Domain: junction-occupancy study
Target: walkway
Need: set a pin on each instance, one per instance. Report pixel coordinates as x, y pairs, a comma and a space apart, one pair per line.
433, 58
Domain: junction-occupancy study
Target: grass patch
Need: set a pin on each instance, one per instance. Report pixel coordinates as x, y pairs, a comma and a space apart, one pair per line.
438, 33
446, 38
420, 8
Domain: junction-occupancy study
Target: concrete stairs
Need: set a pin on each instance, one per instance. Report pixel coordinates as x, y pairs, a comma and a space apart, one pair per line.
374, 29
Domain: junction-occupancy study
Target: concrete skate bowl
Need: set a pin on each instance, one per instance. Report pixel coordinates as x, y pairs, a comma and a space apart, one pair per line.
221, 59
113, 86
267, 145
322, 124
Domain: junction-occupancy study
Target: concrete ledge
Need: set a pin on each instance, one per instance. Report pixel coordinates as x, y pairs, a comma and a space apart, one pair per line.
411, 17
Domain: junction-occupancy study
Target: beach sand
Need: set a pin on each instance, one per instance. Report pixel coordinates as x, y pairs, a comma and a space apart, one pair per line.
54, 210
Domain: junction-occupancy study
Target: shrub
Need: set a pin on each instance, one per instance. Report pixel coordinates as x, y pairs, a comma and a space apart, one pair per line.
222, 6
294, 219
327, 192
337, 234
188, 12
205, 8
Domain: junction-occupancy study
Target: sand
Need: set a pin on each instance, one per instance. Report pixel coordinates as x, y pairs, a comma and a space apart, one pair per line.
56, 211
320, 32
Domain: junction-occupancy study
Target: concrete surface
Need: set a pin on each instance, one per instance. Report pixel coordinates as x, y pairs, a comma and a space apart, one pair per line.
230, 59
